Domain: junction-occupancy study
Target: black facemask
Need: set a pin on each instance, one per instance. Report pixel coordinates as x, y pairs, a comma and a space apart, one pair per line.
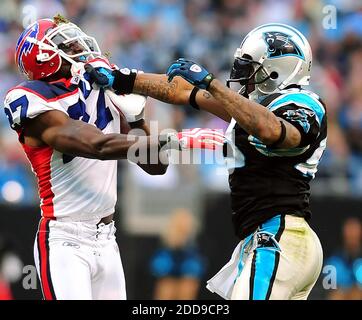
243, 72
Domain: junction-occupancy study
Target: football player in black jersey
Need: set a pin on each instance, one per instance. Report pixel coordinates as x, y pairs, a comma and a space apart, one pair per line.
278, 131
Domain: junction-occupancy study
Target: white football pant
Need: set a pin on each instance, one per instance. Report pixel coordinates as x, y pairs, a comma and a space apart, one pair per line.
79, 261
282, 260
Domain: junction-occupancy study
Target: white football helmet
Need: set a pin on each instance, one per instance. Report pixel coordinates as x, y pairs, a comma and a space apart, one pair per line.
270, 58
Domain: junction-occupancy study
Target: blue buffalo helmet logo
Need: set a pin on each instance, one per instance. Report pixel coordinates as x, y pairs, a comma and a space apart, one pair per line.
23, 46
280, 44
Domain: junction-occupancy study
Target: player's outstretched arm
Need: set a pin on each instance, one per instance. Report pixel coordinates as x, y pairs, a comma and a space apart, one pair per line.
77, 138
254, 118
177, 92
157, 86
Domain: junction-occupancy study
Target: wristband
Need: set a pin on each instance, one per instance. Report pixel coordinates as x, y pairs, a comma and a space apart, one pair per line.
283, 134
123, 81
192, 99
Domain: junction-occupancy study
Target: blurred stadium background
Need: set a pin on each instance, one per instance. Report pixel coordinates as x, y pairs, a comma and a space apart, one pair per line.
148, 35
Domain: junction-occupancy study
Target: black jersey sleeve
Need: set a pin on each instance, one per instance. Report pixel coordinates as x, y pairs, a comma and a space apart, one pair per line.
302, 109
304, 119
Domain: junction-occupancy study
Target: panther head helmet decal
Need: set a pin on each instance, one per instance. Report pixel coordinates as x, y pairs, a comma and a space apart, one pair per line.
281, 44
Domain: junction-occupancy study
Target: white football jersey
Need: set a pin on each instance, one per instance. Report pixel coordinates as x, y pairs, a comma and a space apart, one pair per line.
72, 188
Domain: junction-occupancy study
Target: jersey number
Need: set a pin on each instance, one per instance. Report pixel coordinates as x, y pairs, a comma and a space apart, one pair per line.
78, 112
21, 102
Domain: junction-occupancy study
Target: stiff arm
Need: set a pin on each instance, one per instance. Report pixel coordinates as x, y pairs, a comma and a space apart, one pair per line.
177, 92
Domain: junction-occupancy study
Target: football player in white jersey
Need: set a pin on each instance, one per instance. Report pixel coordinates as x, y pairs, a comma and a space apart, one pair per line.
279, 133
68, 127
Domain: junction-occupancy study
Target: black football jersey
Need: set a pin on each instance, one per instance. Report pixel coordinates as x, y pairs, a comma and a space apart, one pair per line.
266, 181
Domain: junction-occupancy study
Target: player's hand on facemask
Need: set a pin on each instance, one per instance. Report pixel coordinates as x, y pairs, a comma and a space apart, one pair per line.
192, 72
120, 81
196, 138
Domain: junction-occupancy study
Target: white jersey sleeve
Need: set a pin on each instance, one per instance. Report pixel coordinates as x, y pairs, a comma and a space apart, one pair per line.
22, 104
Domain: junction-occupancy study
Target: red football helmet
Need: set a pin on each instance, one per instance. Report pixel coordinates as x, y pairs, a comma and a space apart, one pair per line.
42, 46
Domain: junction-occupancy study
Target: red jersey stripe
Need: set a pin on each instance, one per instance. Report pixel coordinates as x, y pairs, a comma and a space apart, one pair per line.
40, 159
